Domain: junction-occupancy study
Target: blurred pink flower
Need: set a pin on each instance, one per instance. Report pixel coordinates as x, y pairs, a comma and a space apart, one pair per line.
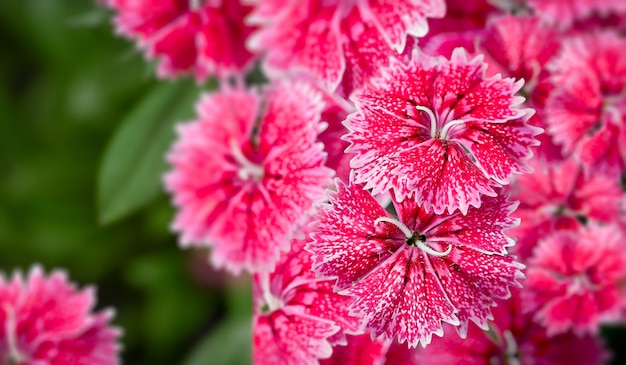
440, 130
565, 12
298, 316
586, 110
513, 339
338, 39
561, 197
576, 279
246, 172
202, 37
360, 350
410, 274
47, 321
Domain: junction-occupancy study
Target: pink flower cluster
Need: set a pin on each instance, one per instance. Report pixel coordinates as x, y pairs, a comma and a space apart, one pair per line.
477, 152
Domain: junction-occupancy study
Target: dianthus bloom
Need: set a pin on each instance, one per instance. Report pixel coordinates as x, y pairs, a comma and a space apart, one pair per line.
47, 321
438, 129
562, 197
412, 272
513, 339
245, 173
201, 37
338, 38
566, 12
298, 316
586, 111
575, 279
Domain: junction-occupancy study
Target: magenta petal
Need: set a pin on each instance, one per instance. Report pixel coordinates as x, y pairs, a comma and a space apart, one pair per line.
303, 37
396, 19
501, 149
402, 298
444, 177
459, 274
290, 338
348, 250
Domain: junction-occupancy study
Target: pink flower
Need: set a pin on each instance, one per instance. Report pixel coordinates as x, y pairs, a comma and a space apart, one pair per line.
565, 12
586, 111
360, 350
560, 197
246, 172
463, 24
410, 274
47, 321
440, 130
575, 279
201, 37
330, 38
298, 316
521, 47
513, 339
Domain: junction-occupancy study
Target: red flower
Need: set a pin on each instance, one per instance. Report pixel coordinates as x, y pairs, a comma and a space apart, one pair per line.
46, 320
439, 129
514, 339
586, 111
338, 38
575, 279
560, 197
246, 172
410, 274
298, 316
201, 37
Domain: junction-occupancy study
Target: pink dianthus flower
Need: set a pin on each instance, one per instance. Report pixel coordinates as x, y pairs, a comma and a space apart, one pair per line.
513, 339
246, 172
439, 130
338, 39
576, 279
411, 273
586, 110
562, 197
298, 316
201, 37
47, 321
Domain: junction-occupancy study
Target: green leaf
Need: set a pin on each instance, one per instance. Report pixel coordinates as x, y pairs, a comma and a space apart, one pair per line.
229, 344
134, 161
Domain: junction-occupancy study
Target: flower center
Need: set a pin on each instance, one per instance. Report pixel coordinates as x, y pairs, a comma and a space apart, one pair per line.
248, 170
435, 132
414, 238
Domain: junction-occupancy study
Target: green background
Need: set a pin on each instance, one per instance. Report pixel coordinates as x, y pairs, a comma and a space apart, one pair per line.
83, 126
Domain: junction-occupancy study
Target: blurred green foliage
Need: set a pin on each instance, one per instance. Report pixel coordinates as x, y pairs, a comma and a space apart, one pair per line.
70, 88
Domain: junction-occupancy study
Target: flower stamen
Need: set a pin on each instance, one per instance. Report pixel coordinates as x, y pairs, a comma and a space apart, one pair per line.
446, 128
431, 116
247, 169
414, 238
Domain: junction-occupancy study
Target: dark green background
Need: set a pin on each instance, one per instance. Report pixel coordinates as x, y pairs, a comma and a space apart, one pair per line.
68, 86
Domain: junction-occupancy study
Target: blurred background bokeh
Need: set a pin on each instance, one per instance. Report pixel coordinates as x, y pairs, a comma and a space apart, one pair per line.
83, 123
